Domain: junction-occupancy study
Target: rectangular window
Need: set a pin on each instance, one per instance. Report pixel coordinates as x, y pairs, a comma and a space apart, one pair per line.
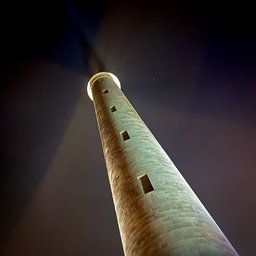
105, 91
125, 135
145, 183
113, 109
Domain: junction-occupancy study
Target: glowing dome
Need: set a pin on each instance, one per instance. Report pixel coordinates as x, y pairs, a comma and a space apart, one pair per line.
99, 76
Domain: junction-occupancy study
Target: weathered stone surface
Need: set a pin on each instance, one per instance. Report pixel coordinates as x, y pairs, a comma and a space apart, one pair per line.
170, 220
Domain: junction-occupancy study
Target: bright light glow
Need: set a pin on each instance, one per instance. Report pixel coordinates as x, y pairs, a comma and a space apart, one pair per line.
99, 76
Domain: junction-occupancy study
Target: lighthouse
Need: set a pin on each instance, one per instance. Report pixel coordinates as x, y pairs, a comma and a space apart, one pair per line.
157, 212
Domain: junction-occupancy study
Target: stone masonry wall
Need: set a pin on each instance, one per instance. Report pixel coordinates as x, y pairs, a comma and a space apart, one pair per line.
166, 220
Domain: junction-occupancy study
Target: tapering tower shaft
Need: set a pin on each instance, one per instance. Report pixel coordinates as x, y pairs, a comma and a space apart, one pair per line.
157, 211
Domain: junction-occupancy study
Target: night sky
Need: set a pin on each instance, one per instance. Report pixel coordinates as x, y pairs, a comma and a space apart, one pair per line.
189, 71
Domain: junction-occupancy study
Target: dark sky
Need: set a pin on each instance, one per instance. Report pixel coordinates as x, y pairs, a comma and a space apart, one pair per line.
188, 69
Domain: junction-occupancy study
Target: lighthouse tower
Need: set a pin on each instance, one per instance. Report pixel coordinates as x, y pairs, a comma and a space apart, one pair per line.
157, 212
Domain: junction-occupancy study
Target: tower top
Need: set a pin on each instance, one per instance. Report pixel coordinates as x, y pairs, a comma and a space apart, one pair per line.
99, 76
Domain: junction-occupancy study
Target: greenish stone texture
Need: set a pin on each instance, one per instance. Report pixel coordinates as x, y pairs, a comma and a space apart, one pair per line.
167, 220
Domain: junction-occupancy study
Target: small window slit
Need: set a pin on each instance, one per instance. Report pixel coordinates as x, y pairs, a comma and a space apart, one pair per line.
146, 184
113, 109
125, 135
